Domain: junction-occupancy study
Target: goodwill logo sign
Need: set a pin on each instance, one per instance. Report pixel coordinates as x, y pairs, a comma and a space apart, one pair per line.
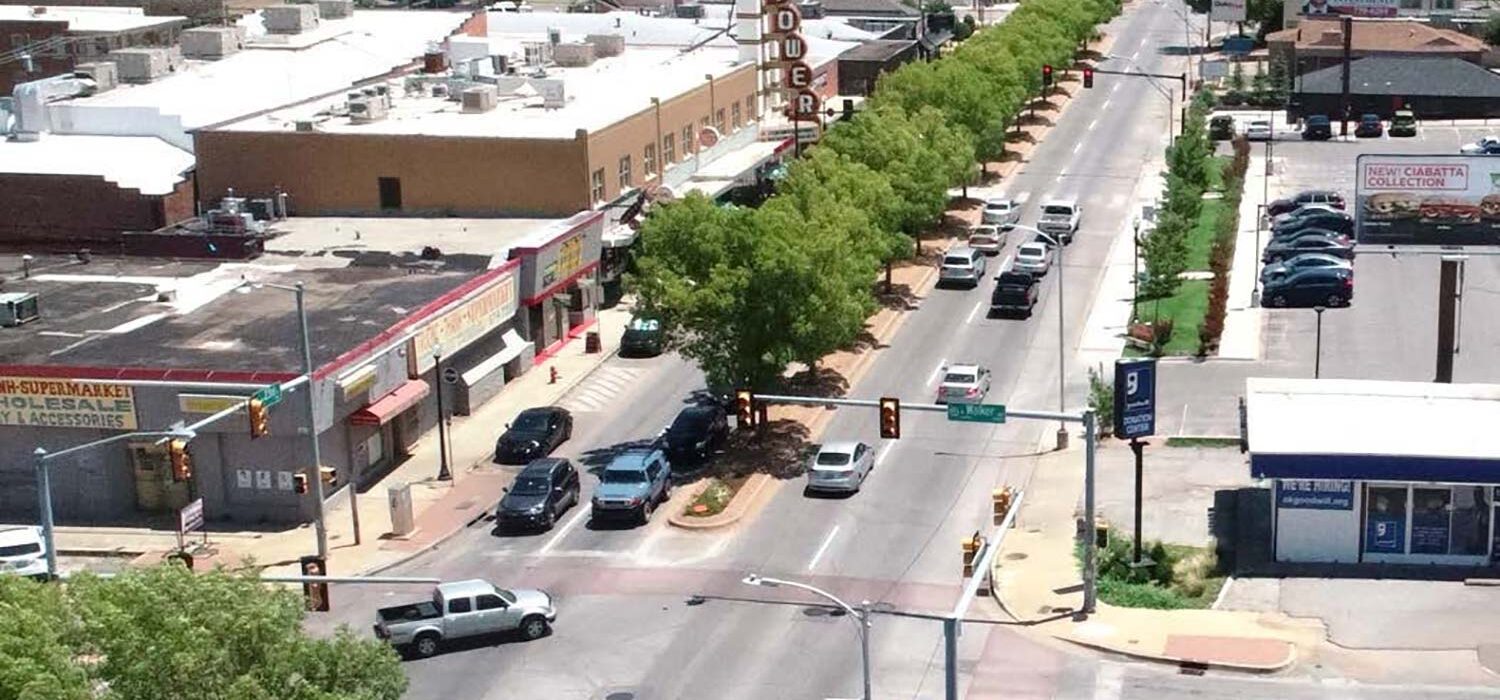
1135, 398
1315, 494
62, 403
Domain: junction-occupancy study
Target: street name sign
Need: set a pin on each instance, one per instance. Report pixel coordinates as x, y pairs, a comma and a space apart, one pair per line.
977, 412
269, 396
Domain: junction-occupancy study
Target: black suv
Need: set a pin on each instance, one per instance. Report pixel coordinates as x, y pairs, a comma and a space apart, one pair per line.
1335, 221
1319, 286
1288, 205
697, 433
542, 492
1317, 128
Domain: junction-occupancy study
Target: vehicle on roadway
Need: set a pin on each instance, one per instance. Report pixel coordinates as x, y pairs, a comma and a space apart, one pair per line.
541, 493
1289, 204
1318, 286
1318, 243
535, 432
1485, 146
963, 384
1221, 127
632, 485
962, 265
1034, 258
1060, 217
1369, 127
987, 239
465, 609
1258, 130
840, 467
1317, 128
696, 434
1302, 211
643, 338
1015, 294
1403, 123
1305, 261
1001, 211
23, 552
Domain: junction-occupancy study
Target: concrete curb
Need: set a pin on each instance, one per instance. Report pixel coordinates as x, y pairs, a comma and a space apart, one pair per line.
1291, 657
731, 513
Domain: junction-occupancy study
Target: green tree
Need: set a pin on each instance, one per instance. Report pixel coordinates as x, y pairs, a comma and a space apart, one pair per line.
888, 141
1165, 252
38, 638
1491, 31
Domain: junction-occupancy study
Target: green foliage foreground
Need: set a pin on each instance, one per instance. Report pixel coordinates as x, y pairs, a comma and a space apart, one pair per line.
165, 632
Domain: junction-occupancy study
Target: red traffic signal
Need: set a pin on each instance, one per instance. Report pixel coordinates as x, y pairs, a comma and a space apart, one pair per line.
1088, 77
890, 418
1047, 75
744, 408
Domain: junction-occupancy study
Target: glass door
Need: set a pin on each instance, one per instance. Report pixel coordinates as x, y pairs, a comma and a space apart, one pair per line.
1385, 520
1431, 519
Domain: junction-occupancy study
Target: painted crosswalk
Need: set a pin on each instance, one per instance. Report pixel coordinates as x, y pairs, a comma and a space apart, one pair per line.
595, 393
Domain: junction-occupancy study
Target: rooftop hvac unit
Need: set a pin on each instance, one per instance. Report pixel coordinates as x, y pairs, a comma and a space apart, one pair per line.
335, 9
305, 125
554, 36
574, 55
17, 308
499, 63
606, 45
480, 98
290, 19
554, 96
105, 74
811, 9
145, 64
366, 109
211, 43
690, 10
537, 53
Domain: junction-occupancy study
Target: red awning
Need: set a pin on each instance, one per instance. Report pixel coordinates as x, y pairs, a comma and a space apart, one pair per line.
383, 409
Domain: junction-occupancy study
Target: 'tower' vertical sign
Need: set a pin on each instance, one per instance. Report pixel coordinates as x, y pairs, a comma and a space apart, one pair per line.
796, 75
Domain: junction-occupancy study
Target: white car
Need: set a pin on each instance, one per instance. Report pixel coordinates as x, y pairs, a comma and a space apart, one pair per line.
1060, 217
22, 551
840, 466
1258, 130
1034, 258
1001, 211
1485, 146
964, 384
987, 239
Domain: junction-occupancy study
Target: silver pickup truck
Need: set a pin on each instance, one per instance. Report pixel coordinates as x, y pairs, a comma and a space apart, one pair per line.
464, 609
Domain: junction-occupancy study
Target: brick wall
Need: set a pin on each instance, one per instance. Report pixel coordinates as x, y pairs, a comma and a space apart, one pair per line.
74, 210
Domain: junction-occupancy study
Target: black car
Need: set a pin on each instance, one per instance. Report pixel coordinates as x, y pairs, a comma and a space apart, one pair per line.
542, 492
1335, 221
1370, 126
1288, 236
535, 433
697, 433
1317, 128
1287, 205
643, 338
1319, 286
1221, 128
1282, 250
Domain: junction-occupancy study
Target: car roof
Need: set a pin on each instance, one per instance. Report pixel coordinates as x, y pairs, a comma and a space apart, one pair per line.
632, 459
840, 446
1000, 200
542, 466
698, 409
1061, 203
544, 410
465, 589
19, 534
1033, 244
969, 368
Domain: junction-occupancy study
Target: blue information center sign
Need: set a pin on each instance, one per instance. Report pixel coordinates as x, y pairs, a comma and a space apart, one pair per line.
1135, 397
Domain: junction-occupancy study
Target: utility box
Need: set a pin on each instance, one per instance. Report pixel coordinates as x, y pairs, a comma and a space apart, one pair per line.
290, 19
402, 522
17, 308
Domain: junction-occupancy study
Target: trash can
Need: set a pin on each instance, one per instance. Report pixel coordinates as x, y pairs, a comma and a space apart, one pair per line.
591, 343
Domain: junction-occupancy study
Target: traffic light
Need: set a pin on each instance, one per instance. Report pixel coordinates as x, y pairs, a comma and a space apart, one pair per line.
890, 418
260, 422
1046, 75
315, 593
744, 408
972, 545
182, 462
328, 475
299, 483
1000, 500
1088, 77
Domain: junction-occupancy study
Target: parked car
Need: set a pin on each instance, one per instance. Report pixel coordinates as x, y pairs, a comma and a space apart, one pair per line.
987, 239
1001, 211
465, 609
1305, 261
541, 493
1403, 123
1258, 130
963, 384
22, 551
696, 434
1060, 217
632, 485
1303, 198
1015, 293
1221, 127
1370, 126
1317, 128
1034, 258
1319, 286
536, 432
1303, 210
1335, 221
840, 467
1287, 237
962, 265
1285, 249
1485, 146
643, 338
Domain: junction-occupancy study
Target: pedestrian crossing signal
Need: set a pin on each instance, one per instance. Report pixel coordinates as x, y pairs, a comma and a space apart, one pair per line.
744, 407
890, 418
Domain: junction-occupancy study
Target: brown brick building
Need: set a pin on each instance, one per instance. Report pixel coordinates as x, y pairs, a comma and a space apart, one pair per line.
1315, 44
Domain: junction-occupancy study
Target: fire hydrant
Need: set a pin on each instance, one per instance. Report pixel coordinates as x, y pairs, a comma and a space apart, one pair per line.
552, 374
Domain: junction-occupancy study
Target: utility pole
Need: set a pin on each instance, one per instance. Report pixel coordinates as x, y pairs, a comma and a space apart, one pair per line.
311, 407
1139, 448
1447, 321
1348, 23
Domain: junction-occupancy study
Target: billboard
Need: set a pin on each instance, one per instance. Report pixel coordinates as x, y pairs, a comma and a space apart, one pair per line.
1354, 8
1427, 200
1227, 10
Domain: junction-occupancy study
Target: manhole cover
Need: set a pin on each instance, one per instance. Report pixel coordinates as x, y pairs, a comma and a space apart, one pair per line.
1016, 556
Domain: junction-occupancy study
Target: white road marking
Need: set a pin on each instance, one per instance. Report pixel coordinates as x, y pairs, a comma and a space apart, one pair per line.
1095, 123
880, 456
1106, 101
1182, 425
1135, 55
1077, 146
975, 310
567, 527
937, 370
823, 548
1109, 682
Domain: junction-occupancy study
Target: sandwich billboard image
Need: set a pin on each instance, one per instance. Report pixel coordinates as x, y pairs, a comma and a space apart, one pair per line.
1427, 200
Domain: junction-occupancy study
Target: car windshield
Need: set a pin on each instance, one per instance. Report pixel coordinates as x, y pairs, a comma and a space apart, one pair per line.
1031, 251
997, 206
530, 485
623, 476
17, 550
955, 261
958, 378
644, 324
1014, 288
530, 423
833, 459
693, 421
1058, 210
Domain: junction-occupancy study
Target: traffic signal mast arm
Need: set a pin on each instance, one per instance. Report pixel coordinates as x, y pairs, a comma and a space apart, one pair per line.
1181, 78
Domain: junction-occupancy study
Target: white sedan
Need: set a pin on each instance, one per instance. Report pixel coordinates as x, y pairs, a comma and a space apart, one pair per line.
1258, 130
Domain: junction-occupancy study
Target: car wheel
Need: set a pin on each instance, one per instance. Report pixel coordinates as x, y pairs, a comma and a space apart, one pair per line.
534, 627
1335, 300
1279, 301
426, 645
550, 520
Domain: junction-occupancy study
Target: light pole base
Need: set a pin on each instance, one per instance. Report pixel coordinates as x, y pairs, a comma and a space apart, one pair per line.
1062, 438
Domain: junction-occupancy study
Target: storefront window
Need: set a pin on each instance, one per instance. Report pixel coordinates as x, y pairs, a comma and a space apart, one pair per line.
374, 449
1471, 521
596, 185
1429, 520
1385, 520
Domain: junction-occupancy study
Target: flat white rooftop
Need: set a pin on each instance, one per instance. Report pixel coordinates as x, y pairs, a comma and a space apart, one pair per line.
145, 163
320, 236
644, 30
87, 20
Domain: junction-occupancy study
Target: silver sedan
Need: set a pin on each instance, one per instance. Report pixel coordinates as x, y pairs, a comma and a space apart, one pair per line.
840, 467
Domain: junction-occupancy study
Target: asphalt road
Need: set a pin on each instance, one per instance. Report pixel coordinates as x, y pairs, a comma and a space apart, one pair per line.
630, 626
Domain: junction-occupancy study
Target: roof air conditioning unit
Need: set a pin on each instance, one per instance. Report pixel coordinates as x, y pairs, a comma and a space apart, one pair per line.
480, 98
366, 110
554, 36
17, 308
306, 125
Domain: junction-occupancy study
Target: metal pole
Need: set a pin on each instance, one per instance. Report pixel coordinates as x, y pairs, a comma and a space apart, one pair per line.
44, 499
1318, 359
860, 616
1089, 558
1139, 449
437, 374
312, 424
1447, 319
864, 643
950, 654
1062, 428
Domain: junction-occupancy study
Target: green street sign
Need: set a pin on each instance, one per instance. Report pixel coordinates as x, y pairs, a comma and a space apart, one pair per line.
977, 412
269, 396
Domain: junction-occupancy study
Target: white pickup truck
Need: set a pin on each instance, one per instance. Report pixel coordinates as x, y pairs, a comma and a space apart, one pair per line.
464, 609
1060, 217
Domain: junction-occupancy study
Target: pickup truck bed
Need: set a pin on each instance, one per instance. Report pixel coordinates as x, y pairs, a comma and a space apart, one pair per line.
425, 610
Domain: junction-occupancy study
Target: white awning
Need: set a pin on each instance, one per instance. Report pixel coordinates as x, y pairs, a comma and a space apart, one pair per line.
514, 345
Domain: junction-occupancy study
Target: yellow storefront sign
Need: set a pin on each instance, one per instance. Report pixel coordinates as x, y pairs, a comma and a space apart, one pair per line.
64, 403
207, 403
467, 322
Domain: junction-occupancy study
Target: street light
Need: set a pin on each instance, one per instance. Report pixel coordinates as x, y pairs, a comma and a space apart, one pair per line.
1062, 428
1165, 92
861, 615
1318, 358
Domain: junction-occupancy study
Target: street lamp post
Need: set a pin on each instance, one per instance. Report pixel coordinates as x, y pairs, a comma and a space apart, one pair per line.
861, 615
1318, 343
1057, 244
437, 373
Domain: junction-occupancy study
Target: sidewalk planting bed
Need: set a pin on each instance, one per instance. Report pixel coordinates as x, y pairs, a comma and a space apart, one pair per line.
1180, 577
1185, 309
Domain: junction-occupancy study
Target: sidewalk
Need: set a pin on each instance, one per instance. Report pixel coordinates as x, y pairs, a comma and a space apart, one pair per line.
1243, 319
440, 508
1037, 581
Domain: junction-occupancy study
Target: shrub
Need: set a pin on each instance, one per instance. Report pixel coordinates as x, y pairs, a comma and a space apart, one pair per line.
1102, 400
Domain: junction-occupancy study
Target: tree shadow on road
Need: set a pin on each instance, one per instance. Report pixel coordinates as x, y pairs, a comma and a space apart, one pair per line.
779, 449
